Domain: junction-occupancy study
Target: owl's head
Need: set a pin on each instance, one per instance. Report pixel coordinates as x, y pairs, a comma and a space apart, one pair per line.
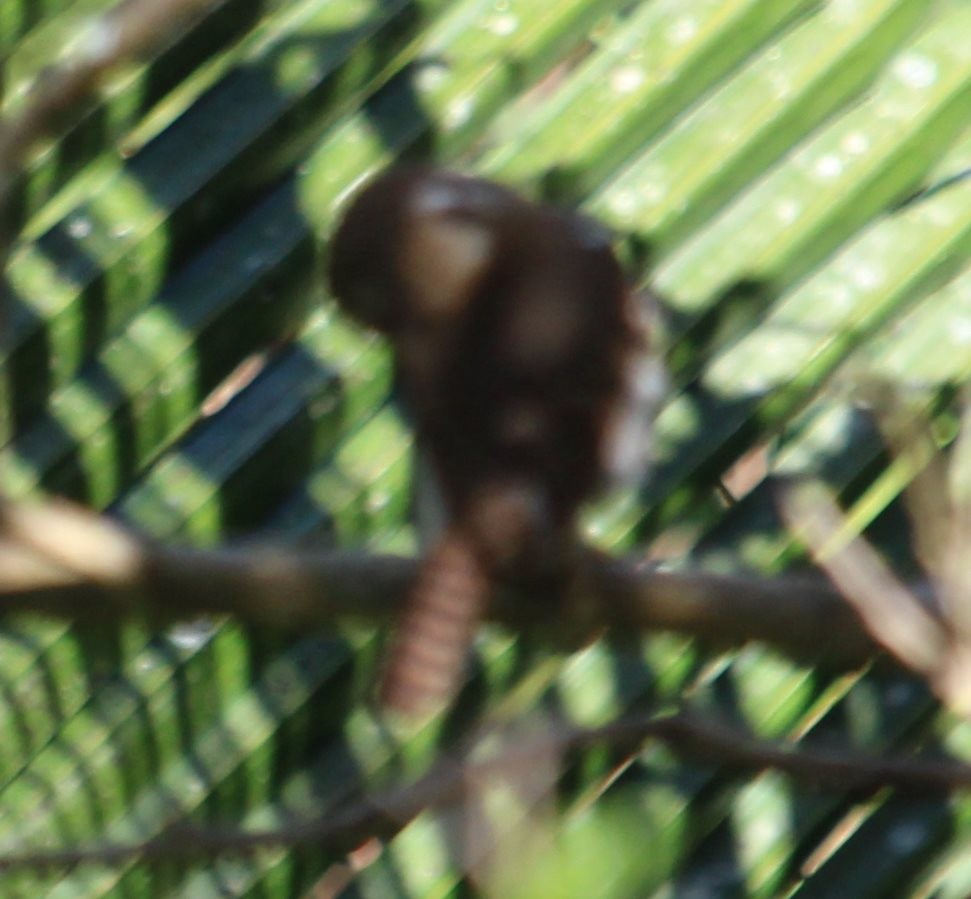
413, 244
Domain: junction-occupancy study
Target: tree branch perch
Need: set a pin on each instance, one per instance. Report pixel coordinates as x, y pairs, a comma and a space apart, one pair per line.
60, 560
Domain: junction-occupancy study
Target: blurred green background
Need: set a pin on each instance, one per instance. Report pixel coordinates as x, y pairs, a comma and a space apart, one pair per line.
789, 175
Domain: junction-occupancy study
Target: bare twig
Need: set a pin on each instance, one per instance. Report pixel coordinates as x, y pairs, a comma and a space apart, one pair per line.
133, 30
63, 561
888, 609
929, 641
383, 815
908, 431
935, 641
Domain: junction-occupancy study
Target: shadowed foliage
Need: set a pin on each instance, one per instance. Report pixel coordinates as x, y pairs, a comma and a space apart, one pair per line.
789, 177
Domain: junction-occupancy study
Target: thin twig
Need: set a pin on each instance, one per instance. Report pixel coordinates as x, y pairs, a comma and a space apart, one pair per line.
133, 30
929, 640
383, 815
890, 611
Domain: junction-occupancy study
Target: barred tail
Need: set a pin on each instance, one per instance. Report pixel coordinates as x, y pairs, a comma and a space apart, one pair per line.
435, 632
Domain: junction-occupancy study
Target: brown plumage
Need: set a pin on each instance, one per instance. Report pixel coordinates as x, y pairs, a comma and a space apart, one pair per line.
513, 337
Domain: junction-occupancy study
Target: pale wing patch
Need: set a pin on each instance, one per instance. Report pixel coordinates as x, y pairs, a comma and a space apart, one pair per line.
630, 431
629, 446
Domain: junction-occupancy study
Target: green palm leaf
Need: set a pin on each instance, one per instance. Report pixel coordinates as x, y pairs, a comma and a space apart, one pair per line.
789, 176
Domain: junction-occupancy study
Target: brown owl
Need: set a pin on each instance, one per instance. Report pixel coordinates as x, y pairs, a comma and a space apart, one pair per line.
515, 342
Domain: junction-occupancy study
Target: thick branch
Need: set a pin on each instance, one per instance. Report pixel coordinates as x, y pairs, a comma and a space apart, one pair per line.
62, 561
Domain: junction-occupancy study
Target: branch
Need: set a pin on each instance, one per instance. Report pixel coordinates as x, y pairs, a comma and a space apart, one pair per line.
133, 30
934, 642
60, 560
385, 814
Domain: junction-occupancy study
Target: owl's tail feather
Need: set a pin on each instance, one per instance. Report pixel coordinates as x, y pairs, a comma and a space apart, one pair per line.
434, 635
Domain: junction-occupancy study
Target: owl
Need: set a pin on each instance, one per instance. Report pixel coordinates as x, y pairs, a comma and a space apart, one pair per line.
520, 357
